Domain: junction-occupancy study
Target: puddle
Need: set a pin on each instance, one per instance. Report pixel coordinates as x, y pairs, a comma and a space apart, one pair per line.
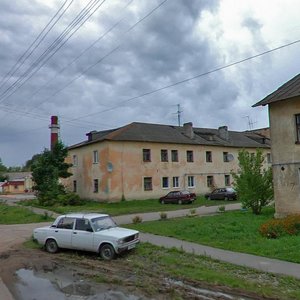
204, 293
62, 285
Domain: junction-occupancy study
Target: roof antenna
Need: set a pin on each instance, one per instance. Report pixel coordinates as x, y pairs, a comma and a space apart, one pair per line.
250, 123
178, 114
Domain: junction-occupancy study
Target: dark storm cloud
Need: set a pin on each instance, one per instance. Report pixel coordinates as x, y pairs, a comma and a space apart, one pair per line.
165, 48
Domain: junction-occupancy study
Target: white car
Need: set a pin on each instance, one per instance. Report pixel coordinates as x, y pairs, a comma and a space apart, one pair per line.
89, 232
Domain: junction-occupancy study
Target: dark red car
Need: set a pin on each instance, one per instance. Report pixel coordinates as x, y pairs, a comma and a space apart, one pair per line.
222, 194
179, 197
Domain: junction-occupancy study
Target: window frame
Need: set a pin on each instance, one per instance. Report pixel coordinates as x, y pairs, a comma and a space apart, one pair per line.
95, 157
75, 160
74, 186
146, 155
165, 182
174, 155
210, 181
175, 182
225, 157
191, 181
208, 156
227, 180
164, 155
269, 158
148, 183
189, 155
96, 185
297, 126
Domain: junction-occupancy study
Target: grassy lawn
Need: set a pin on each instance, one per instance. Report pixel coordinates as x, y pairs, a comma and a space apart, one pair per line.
19, 215
235, 230
193, 270
126, 207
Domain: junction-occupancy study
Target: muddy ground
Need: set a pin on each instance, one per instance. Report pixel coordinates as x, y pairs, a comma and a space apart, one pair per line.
86, 275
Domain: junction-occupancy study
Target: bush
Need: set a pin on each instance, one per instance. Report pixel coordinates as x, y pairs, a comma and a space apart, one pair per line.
276, 228
137, 219
69, 199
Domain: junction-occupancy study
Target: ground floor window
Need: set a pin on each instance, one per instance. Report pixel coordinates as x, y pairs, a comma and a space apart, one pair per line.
176, 182
227, 180
74, 186
210, 181
165, 182
96, 185
148, 183
191, 181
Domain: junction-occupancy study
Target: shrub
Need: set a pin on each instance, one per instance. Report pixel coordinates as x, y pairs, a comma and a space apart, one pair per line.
69, 199
276, 228
163, 216
137, 219
221, 208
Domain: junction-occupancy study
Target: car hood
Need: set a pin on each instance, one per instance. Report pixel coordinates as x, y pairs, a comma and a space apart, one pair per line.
117, 232
42, 228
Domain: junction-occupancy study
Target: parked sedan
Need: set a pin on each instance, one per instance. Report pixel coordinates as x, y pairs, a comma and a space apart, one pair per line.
221, 194
179, 197
89, 232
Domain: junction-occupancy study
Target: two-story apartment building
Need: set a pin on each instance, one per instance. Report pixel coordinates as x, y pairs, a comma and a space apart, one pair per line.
145, 161
284, 114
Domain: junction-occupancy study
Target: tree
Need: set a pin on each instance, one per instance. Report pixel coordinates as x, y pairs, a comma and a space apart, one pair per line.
3, 169
31, 161
253, 183
46, 171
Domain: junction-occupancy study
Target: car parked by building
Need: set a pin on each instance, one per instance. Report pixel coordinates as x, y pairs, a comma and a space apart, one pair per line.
179, 197
222, 194
89, 232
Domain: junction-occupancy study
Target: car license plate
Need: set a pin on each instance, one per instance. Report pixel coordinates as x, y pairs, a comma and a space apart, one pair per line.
131, 246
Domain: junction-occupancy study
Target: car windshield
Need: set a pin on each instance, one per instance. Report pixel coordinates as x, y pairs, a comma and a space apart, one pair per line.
230, 190
185, 192
102, 223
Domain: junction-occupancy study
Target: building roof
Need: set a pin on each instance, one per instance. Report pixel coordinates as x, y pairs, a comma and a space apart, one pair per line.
157, 133
288, 90
18, 175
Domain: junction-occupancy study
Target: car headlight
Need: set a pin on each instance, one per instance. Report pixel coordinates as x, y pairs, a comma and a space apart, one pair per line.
120, 241
136, 236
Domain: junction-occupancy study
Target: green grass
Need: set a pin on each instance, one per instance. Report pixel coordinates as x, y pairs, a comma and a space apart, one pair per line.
234, 230
20, 215
125, 207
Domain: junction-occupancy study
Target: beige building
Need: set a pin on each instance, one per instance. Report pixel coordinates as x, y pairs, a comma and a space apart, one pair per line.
146, 161
284, 113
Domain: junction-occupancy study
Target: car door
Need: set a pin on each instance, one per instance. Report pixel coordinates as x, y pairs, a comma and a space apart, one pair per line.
214, 194
83, 235
170, 197
63, 232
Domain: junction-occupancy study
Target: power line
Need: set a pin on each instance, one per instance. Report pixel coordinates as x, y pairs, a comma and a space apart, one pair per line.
54, 47
37, 40
188, 79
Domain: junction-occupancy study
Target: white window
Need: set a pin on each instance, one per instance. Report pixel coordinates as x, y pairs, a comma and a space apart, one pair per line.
165, 182
75, 160
176, 182
191, 181
95, 157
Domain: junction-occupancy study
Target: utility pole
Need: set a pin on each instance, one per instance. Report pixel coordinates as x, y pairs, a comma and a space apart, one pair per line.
178, 113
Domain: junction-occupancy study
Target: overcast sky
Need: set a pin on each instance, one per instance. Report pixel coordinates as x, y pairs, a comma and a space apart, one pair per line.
92, 74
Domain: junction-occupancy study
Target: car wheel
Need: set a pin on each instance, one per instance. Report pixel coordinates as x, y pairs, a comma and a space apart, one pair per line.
226, 198
180, 202
208, 198
107, 252
162, 202
51, 246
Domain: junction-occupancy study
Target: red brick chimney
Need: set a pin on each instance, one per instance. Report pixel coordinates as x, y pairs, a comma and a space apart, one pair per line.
54, 127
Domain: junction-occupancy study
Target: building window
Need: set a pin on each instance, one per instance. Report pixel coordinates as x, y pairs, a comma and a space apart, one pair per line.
227, 180
95, 157
74, 186
269, 158
96, 185
225, 157
191, 181
165, 182
208, 156
146, 155
175, 182
148, 183
210, 181
75, 160
174, 154
297, 117
164, 155
189, 156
